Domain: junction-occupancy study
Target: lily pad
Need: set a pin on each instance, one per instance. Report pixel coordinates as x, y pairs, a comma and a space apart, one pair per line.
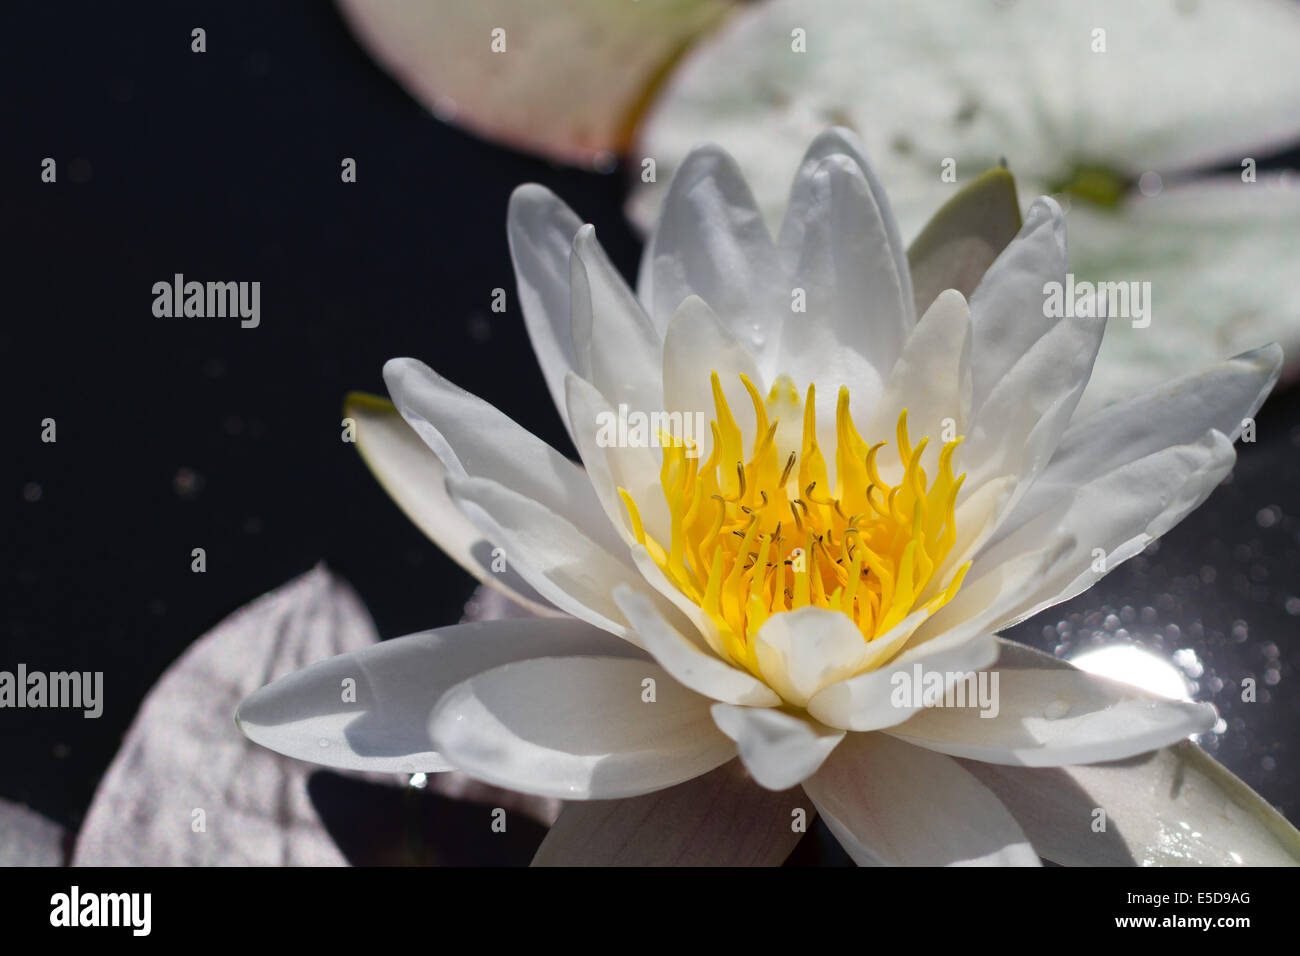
29, 839
1173, 807
565, 78
958, 245
187, 788
941, 93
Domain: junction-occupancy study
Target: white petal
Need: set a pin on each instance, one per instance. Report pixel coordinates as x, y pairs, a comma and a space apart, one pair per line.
1049, 718
706, 630
1007, 315
572, 571
397, 682
992, 590
616, 347
716, 819
541, 228
931, 379
892, 804
1176, 806
1114, 517
472, 438
779, 749
841, 143
414, 478
955, 640
1179, 412
711, 241
1126, 460
693, 666
611, 465
841, 245
578, 728
695, 346
1018, 427
800, 652
865, 702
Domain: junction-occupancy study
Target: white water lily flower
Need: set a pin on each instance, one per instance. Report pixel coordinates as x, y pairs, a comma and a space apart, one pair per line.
1146, 119
876, 495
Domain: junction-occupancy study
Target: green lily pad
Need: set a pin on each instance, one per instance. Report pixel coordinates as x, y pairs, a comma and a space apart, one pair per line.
957, 246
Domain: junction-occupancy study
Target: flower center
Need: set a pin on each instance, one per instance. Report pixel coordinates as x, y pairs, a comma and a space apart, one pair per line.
757, 537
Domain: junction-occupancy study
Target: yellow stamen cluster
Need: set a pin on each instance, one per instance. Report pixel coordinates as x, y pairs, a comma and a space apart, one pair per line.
750, 539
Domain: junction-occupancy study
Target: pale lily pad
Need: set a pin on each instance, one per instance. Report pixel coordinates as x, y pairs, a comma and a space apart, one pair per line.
1179, 87
1175, 806
29, 839
187, 788
1221, 257
565, 78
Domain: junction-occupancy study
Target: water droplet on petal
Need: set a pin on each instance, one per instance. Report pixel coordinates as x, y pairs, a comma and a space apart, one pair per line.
1056, 709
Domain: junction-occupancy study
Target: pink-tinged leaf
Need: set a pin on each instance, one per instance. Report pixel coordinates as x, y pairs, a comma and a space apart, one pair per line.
566, 78
29, 839
187, 788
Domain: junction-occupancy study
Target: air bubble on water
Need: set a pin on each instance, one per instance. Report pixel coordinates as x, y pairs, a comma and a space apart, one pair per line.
1186, 658
187, 482
1150, 183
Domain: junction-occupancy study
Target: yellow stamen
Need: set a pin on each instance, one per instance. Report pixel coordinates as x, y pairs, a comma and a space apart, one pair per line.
862, 547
